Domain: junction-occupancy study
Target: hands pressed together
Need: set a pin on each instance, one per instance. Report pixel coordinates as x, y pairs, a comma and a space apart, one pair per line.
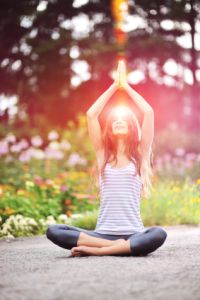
120, 78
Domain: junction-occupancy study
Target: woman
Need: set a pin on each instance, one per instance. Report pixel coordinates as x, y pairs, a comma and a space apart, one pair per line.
119, 229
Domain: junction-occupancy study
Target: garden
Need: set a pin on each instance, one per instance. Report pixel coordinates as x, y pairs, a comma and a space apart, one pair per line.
58, 57
47, 180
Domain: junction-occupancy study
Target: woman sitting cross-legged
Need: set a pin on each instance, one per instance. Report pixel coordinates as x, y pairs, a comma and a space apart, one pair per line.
123, 151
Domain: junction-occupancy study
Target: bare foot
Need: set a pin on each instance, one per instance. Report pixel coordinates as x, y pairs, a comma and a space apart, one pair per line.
118, 241
84, 251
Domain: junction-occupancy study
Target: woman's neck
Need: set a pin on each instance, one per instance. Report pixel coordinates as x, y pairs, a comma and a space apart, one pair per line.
121, 148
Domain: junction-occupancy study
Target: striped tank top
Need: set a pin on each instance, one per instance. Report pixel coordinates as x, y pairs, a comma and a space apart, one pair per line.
119, 212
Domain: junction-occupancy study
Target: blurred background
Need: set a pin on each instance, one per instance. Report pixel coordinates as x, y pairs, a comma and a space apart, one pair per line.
56, 58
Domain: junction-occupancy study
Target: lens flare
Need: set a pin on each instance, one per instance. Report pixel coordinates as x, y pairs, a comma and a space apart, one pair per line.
120, 11
122, 111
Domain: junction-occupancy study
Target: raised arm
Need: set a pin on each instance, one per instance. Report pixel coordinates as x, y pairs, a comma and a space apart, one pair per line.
137, 98
99, 104
147, 130
93, 112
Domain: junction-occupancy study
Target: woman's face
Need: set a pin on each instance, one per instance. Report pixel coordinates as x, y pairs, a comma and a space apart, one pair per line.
119, 124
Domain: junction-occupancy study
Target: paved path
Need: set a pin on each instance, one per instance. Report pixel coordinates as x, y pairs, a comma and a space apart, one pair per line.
33, 268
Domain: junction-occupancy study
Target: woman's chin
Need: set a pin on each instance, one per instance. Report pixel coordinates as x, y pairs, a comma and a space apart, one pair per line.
119, 133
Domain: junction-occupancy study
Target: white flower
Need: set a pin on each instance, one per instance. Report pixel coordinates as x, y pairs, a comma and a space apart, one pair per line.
38, 154
53, 153
17, 223
36, 141
42, 222
15, 148
31, 221
62, 218
31, 152
75, 158
23, 143
10, 138
75, 216
22, 222
50, 217
5, 228
65, 145
11, 218
19, 146
25, 156
54, 145
53, 135
18, 217
10, 236
29, 184
83, 161
50, 220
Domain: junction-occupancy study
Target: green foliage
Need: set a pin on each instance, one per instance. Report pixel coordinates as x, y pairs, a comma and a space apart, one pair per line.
43, 79
87, 220
171, 203
44, 190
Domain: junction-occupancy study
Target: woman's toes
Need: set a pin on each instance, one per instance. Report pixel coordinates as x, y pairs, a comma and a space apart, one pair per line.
74, 251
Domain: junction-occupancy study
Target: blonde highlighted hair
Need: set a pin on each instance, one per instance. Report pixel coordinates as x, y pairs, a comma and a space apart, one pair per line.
144, 166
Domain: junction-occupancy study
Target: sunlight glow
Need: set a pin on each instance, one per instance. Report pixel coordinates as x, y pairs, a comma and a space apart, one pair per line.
121, 111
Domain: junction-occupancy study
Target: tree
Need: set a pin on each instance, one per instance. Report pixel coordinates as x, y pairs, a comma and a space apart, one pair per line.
41, 48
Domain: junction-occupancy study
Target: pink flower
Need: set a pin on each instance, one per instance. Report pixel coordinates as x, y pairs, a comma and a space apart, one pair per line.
36, 141
25, 156
53, 135
53, 153
15, 148
65, 145
63, 188
188, 164
166, 157
3, 147
191, 156
37, 153
179, 151
38, 180
10, 138
23, 144
75, 158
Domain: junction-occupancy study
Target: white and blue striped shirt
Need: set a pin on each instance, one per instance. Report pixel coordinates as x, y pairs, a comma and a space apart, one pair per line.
119, 201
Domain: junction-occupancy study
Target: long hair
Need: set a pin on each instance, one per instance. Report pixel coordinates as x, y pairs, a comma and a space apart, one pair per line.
131, 140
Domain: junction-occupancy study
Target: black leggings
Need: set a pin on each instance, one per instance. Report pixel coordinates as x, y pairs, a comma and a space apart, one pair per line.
142, 243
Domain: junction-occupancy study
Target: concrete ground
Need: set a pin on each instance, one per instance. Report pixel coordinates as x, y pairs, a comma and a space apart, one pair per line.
33, 268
